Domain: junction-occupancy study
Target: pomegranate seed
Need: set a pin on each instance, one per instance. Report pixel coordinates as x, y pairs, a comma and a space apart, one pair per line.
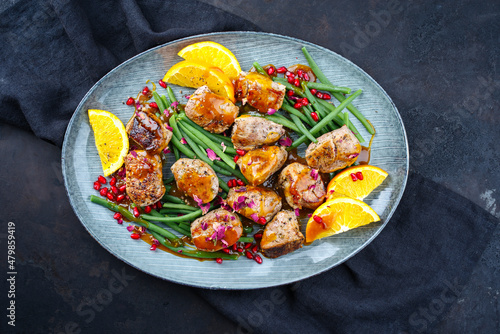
120, 198
318, 219
153, 247
234, 247
240, 250
319, 95
120, 221
314, 91
300, 73
262, 221
306, 77
97, 185
112, 182
135, 236
296, 82
226, 250
145, 90
240, 182
289, 74
353, 177
229, 183
110, 196
102, 179
153, 105
117, 216
270, 70
314, 116
162, 83
249, 255
103, 191
122, 188
304, 101
290, 80
130, 101
298, 105
326, 96
147, 209
359, 175
258, 259
218, 260
114, 190
282, 69
258, 236
248, 245
136, 212
241, 152
236, 157
255, 248
290, 93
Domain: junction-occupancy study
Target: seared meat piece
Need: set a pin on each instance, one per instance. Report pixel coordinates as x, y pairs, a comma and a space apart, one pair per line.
302, 186
257, 165
196, 178
144, 177
334, 150
257, 200
282, 235
216, 230
148, 132
212, 112
259, 91
251, 132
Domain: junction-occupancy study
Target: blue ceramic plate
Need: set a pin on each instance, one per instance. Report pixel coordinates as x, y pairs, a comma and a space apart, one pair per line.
81, 164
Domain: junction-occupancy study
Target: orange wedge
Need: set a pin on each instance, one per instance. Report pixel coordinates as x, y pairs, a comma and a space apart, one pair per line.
193, 74
213, 54
371, 178
339, 215
111, 139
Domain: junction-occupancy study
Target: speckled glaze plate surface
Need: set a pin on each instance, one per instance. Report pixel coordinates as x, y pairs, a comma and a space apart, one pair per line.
81, 164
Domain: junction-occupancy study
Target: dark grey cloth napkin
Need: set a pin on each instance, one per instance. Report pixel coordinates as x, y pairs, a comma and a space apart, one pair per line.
53, 52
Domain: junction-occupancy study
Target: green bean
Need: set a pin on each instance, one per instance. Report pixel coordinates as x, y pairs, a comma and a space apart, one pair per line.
283, 121
167, 189
127, 214
338, 96
313, 100
328, 87
165, 211
236, 172
288, 108
189, 216
179, 206
245, 239
171, 95
340, 122
195, 253
166, 101
216, 148
176, 152
173, 199
214, 136
159, 102
302, 128
223, 185
346, 118
183, 148
327, 119
289, 86
169, 180
182, 124
259, 69
248, 229
199, 153
172, 225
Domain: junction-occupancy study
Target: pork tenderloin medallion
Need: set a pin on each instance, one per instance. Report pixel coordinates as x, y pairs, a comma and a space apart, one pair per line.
282, 235
144, 184
259, 91
302, 186
254, 202
259, 164
216, 230
334, 150
250, 132
196, 179
212, 112
147, 131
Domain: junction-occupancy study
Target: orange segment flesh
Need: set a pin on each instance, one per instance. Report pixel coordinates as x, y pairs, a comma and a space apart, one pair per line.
343, 183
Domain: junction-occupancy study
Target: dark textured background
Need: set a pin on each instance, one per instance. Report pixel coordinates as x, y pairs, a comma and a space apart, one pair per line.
437, 61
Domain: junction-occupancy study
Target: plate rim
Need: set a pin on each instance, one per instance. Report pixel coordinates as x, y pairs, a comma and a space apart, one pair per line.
221, 287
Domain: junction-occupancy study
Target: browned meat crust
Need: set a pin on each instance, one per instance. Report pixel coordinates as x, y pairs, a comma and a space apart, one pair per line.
282, 235
251, 132
196, 178
144, 178
259, 91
